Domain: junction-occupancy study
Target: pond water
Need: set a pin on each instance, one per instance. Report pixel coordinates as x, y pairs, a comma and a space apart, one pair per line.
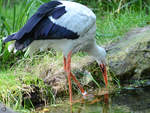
129, 100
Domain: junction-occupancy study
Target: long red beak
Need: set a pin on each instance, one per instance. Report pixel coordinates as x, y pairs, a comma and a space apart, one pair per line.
104, 72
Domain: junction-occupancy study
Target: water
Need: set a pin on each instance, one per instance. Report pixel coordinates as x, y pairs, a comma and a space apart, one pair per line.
129, 100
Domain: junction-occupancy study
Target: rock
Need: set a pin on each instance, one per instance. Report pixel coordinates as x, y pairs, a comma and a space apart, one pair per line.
129, 57
4, 109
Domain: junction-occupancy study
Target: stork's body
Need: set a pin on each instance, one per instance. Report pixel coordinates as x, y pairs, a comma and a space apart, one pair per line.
65, 26
78, 19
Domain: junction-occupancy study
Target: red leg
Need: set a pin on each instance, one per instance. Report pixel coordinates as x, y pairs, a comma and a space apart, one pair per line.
68, 70
70, 87
105, 76
64, 63
104, 73
74, 78
68, 67
106, 98
79, 85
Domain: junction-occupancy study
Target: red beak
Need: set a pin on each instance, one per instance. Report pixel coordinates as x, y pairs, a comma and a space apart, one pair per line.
104, 72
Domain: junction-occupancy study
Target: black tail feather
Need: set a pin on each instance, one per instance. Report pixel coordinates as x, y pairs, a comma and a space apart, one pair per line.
24, 42
9, 38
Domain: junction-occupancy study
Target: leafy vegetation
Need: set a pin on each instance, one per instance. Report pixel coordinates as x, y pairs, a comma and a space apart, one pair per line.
114, 19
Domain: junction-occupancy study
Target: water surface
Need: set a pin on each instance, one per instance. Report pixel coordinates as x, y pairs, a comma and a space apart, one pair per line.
129, 100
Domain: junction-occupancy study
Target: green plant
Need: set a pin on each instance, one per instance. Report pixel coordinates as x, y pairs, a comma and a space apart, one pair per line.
13, 15
15, 90
0, 46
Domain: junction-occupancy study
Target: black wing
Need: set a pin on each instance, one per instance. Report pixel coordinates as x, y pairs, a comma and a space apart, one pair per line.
40, 27
36, 18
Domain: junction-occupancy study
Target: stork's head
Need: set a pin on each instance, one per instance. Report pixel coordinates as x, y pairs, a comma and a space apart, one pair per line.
99, 54
101, 60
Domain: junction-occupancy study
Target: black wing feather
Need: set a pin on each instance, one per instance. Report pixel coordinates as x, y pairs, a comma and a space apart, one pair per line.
35, 19
40, 27
58, 12
9, 38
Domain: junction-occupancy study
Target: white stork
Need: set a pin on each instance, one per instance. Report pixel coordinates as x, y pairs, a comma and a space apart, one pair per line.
65, 26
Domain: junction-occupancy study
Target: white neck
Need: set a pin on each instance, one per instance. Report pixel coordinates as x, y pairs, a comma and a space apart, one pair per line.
98, 53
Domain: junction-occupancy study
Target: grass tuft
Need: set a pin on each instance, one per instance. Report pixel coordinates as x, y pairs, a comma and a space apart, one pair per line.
17, 91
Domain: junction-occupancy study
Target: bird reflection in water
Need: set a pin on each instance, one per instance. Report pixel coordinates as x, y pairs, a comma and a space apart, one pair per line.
91, 99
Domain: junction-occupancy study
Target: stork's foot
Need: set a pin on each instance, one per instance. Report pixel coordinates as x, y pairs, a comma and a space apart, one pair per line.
88, 96
96, 100
91, 99
84, 93
84, 99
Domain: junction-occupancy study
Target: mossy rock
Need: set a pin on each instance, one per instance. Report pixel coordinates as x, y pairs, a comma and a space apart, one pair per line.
129, 57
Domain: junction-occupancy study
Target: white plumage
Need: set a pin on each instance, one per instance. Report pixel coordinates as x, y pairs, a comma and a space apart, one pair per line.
78, 19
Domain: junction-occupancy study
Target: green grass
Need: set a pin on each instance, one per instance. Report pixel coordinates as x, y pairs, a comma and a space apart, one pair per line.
110, 25
13, 15
13, 85
10, 90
